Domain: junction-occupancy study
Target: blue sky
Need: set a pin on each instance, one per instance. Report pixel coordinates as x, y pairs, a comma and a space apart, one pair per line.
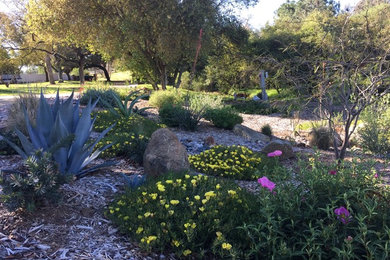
264, 11
256, 16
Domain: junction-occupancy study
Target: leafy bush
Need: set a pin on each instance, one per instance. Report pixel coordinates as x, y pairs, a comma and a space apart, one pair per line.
320, 137
266, 130
335, 211
15, 112
202, 102
130, 136
253, 107
189, 215
177, 116
33, 188
375, 133
60, 130
160, 98
236, 162
224, 117
105, 96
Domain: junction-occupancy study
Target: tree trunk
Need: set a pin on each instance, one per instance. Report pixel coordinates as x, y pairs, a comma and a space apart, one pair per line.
68, 75
163, 77
46, 75
49, 69
178, 82
81, 68
60, 75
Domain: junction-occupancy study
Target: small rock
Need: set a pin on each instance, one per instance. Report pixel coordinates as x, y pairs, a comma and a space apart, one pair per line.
249, 134
43, 247
209, 141
284, 146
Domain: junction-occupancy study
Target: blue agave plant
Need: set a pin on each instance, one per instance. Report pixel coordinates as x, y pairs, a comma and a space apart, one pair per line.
61, 130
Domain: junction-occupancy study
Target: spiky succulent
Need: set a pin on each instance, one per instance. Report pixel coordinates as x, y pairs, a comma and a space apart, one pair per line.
62, 131
124, 108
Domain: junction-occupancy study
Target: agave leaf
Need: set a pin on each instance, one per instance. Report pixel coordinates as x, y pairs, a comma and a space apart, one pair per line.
100, 137
94, 168
56, 105
38, 141
58, 133
143, 109
110, 108
45, 118
76, 116
66, 112
94, 155
136, 100
16, 148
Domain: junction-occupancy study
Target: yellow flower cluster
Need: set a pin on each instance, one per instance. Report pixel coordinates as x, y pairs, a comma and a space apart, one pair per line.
235, 161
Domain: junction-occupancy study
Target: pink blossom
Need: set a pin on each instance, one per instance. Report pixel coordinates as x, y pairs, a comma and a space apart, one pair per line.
349, 239
332, 172
266, 183
275, 153
343, 215
376, 175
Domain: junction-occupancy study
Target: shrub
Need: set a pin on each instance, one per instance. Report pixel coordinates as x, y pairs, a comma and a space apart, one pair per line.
236, 162
202, 102
320, 137
266, 130
33, 188
177, 116
189, 215
224, 117
130, 136
160, 98
375, 133
253, 107
62, 131
15, 112
105, 95
304, 219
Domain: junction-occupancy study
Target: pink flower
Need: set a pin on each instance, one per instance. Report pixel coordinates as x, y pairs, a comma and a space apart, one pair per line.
349, 239
343, 215
275, 153
376, 176
266, 183
332, 172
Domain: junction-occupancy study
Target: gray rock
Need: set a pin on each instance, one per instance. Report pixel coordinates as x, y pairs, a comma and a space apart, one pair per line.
165, 153
249, 134
284, 146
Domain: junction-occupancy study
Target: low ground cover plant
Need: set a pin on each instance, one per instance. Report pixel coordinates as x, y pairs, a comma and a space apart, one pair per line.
266, 130
105, 96
37, 185
191, 215
225, 117
235, 162
329, 211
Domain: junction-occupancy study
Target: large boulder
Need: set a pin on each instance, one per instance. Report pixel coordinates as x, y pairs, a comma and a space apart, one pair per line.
284, 146
249, 134
165, 153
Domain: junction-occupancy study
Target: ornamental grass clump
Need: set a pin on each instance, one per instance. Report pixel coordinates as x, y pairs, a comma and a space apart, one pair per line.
236, 162
190, 215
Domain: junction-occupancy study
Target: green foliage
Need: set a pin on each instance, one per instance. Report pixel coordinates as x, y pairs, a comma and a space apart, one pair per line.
124, 108
177, 116
34, 187
188, 215
375, 133
320, 137
105, 96
129, 137
297, 220
199, 102
160, 98
235, 162
266, 130
225, 117
15, 112
253, 107
62, 131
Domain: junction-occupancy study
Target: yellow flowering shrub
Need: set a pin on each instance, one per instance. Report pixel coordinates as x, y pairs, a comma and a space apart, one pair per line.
198, 221
130, 135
